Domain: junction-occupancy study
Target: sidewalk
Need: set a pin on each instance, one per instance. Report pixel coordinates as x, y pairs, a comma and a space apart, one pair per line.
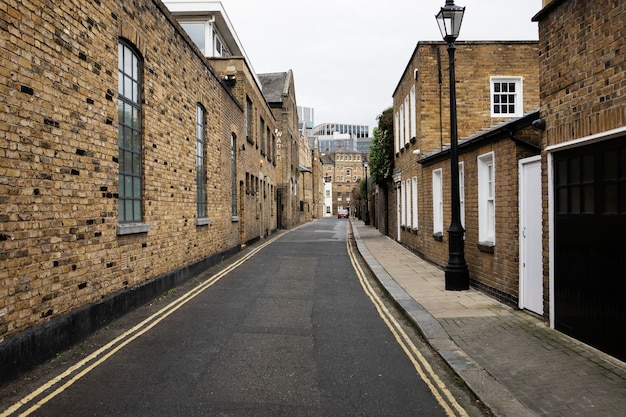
510, 359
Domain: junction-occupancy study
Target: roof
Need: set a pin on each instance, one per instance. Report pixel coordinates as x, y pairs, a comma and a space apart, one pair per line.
274, 85
505, 129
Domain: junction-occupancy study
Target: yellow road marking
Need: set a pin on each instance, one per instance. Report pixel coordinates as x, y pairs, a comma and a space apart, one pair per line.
423, 368
118, 343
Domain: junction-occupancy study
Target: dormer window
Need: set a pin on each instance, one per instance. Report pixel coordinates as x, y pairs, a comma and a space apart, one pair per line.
203, 33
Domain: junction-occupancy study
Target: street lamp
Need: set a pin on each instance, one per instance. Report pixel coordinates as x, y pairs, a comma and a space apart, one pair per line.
367, 196
449, 19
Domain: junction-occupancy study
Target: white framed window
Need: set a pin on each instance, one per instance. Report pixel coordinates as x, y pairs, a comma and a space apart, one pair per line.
402, 127
407, 203
486, 199
438, 201
327, 193
407, 121
396, 128
339, 197
506, 97
414, 202
413, 116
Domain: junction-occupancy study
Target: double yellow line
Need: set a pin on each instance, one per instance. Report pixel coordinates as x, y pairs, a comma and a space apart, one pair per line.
423, 368
82, 368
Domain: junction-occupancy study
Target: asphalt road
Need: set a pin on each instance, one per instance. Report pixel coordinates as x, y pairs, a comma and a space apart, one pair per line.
289, 332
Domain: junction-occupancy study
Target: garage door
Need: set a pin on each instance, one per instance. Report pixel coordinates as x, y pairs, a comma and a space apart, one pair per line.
590, 244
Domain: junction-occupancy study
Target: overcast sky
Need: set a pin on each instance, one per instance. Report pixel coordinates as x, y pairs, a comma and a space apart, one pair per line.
347, 56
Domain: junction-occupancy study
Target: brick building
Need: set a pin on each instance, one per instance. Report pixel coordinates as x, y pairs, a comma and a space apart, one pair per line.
583, 107
497, 100
343, 172
279, 92
130, 160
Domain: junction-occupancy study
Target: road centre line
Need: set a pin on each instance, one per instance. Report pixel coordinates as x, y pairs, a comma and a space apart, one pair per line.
119, 342
423, 368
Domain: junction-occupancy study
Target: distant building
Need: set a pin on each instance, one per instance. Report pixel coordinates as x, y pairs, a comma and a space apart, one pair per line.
306, 121
334, 137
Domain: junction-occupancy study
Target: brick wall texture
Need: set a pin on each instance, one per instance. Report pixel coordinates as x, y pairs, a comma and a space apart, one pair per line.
582, 65
59, 150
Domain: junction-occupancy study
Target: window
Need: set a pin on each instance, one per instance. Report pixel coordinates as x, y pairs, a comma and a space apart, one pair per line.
486, 200
233, 173
506, 97
327, 193
200, 163
414, 202
396, 128
261, 133
407, 121
249, 120
413, 117
402, 127
405, 204
196, 31
338, 196
129, 135
437, 202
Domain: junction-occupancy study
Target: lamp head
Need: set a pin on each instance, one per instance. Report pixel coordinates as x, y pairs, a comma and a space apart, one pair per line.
449, 19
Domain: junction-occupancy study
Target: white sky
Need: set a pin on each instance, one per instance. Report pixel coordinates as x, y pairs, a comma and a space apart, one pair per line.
347, 56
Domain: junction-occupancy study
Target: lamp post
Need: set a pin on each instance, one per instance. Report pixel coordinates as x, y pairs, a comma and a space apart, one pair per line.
457, 275
367, 195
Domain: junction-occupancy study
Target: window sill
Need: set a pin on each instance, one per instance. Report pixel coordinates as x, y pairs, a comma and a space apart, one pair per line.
487, 247
438, 236
132, 228
204, 221
234, 219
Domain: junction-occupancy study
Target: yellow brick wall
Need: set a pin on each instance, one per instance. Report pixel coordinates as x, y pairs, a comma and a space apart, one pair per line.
59, 150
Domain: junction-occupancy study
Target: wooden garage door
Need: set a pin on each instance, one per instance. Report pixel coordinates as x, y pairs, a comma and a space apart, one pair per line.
590, 244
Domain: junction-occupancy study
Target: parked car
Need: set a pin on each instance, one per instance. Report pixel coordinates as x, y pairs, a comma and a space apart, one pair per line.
342, 213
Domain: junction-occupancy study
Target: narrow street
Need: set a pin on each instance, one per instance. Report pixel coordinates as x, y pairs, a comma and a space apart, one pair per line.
291, 327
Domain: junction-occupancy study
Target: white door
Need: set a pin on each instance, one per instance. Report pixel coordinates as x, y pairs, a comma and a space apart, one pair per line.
530, 213
398, 211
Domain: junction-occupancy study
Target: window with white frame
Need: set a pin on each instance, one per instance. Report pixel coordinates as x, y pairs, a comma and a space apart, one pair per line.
413, 116
402, 127
437, 202
396, 128
486, 199
414, 202
339, 197
407, 120
506, 97
409, 200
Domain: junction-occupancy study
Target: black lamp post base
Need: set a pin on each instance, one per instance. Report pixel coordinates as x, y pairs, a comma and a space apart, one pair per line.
457, 279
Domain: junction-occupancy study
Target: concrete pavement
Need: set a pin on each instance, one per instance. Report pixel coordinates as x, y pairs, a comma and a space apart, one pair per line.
509, 358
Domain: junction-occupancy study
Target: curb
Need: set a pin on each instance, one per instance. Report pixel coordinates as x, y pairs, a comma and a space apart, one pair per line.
494, 395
